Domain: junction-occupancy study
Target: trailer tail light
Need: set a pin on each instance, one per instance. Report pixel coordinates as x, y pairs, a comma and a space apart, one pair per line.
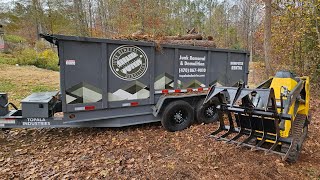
200, 89
189, 89
165, 91
177, 90
89, 108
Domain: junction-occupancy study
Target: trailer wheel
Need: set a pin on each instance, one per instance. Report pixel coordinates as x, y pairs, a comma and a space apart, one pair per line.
177, 116
207, 113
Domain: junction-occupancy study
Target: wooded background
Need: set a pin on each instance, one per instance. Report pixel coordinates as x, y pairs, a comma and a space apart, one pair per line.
282, 33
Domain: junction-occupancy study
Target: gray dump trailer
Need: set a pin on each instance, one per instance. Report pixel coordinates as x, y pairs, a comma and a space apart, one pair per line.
115, 83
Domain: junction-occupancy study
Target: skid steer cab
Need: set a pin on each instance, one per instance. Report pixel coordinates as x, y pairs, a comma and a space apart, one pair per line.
273, 117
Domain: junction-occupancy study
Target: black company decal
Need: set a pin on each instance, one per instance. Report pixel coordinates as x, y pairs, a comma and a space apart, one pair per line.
192, 66
36, 122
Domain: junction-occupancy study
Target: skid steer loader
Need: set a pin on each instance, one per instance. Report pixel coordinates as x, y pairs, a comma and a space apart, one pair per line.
273, 117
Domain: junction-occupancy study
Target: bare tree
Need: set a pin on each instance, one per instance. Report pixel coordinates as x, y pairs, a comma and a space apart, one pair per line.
267, 37
91, 17
37, 13
82, 24
314, 12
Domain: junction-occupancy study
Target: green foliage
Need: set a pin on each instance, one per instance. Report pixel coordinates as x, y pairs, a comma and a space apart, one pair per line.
14, 38
27, 56
46, 59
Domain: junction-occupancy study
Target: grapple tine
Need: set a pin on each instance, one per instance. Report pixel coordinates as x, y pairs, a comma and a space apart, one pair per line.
221, 128
285, 156
276, 143
264, 137
235, 138
256, 147
247, 140
251, 136
240, 132
223, 136
213, 134
231, 128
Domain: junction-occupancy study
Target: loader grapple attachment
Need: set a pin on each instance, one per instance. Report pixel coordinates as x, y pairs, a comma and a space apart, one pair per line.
253, 118
248, 122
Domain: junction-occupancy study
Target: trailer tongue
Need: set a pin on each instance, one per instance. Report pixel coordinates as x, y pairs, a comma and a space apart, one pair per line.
274, 117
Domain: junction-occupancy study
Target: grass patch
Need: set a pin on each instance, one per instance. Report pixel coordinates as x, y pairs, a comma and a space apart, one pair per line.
20, 82
42, 88
7, 59
6, 86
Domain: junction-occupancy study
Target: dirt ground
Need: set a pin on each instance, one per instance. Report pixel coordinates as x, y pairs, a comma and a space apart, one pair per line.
139, 152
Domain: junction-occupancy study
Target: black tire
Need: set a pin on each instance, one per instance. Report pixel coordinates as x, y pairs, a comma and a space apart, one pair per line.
207, 113
178, 115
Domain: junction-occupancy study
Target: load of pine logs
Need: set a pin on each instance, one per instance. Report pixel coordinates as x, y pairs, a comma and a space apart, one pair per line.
192, 38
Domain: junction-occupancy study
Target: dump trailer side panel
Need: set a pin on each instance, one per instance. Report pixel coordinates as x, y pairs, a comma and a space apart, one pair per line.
101, 74
94, 78
82, 81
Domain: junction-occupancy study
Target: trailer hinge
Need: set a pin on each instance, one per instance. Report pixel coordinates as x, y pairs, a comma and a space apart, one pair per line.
49, 38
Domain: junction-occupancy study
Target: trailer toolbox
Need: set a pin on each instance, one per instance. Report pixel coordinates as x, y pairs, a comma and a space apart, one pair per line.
39, 104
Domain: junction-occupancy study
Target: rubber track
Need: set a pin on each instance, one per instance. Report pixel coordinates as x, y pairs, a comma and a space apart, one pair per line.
297, 137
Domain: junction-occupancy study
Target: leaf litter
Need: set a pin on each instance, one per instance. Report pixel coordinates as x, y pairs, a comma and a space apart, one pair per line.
144, 152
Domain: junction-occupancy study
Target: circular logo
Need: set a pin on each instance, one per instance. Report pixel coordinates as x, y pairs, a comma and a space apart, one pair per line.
128, 62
